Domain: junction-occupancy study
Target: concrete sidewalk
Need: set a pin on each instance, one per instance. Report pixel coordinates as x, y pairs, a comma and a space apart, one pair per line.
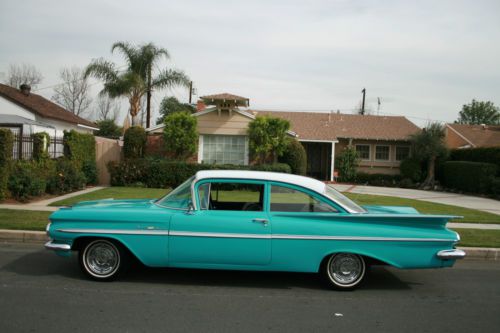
43, 204
483, 204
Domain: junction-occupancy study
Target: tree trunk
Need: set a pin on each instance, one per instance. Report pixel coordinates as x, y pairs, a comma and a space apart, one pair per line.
430, 179
135, 107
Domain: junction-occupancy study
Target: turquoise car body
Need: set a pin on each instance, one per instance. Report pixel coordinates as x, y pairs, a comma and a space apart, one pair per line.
159, 236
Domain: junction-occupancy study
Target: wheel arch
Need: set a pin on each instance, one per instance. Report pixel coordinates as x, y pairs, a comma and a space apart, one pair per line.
369, 259
81, 241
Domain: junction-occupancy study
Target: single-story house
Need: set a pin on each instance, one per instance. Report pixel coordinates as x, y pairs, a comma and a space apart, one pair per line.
26, 113
381, 141
459, 136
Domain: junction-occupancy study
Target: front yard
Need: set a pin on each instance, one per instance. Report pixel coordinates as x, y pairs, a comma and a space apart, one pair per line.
37, 220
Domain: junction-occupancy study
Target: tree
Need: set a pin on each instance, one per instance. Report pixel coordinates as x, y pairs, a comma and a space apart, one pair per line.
295, 156
268, 138
477, 113
108, 129
180, 135
106, 108
23, 74
74, 93
134, 142
427, 146
136, 80
170, 105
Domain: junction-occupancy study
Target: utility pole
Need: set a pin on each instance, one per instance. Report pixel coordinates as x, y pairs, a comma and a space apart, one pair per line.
363, 104
190, 91
148, 101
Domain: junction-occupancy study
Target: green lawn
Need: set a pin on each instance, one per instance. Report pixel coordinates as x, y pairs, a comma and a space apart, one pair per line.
470, 215
23, 219
479, 237
115, 193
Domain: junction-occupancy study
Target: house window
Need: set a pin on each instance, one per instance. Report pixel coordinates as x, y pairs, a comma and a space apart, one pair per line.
224, 149
363, 151
382, 153
402, 152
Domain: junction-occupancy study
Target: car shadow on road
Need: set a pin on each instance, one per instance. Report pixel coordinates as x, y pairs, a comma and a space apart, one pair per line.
44, 263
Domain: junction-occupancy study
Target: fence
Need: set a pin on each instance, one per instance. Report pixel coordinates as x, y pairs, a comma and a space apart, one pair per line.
23, 146
106, 150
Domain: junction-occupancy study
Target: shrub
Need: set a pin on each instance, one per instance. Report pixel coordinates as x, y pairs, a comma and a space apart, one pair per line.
134, 142
180, 135
378, 179
66, 177
162, 173
411, 168
80, 148
483, 155
108, 129
27, 179
347, 162
41, 142
6, 142
467, 176
268, 138
495, 187
295, 156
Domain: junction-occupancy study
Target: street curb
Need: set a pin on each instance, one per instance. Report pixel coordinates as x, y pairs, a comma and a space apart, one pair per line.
24, 236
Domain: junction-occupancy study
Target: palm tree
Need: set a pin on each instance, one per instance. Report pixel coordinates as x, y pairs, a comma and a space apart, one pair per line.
427, 146
137, 79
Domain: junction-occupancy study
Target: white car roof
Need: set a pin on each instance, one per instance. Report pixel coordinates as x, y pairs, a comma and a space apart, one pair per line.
309, 183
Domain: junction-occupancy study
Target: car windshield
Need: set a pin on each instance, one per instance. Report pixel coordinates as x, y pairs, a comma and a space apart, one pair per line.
180, 198
343, 200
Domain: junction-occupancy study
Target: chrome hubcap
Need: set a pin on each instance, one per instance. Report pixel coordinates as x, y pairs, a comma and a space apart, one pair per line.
102, 258
346, 268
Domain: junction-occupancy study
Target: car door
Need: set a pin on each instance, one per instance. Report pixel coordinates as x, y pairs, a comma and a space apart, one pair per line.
229, 227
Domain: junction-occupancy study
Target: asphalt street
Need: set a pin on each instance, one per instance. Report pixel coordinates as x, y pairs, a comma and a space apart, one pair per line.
40, 292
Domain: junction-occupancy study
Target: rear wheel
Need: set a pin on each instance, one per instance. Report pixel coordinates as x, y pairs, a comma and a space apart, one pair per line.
344, 271
102, 259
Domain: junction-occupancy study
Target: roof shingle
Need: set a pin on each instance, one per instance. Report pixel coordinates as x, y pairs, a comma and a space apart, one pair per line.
479, 135
41, 106
331, 126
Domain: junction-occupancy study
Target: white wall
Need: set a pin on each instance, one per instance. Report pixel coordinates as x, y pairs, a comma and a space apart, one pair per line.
7, 107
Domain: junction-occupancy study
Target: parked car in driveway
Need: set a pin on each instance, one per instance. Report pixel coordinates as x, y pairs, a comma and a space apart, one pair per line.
250, 220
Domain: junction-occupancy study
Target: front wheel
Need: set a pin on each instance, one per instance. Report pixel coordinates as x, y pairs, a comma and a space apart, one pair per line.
344, 271
102, 260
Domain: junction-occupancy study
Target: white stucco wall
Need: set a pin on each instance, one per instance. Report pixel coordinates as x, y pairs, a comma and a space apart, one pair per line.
7, 107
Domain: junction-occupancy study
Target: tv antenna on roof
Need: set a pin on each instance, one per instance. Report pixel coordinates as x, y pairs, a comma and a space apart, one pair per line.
378, 105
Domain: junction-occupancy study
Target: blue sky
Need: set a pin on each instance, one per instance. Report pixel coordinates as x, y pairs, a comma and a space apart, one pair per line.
423, 59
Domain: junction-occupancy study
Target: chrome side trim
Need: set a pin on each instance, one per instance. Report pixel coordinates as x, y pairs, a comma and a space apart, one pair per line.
361, 238
117, 231
57, 247
451, 254
218, 235
253, 236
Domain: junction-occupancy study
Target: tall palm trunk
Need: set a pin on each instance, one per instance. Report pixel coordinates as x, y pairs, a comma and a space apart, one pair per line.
135, 107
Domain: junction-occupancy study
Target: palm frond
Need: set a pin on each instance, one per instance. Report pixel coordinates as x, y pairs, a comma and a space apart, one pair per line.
101, 69
169, 78
128, 50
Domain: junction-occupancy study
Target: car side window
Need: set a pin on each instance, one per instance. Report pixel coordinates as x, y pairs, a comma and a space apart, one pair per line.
204, 195
285, 199
236, 196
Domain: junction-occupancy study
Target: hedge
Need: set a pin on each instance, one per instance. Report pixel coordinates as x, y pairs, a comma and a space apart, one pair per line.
483, 155
474, 177
27, 179
41, 142
6, 142
80, 148
378, 179
163, 173
134, 142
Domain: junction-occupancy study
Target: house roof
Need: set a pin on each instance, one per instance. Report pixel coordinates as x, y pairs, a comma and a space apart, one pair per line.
478, 135
332, 126
225, 96
42, 106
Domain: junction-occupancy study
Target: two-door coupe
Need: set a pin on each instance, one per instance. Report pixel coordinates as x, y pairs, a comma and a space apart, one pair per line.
250, 220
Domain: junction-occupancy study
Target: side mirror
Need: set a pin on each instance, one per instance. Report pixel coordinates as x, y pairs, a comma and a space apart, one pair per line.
190, 210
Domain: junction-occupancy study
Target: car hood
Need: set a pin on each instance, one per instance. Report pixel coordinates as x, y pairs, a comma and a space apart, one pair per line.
390, 210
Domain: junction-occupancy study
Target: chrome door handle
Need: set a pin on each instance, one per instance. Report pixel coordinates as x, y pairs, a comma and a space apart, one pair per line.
263, 221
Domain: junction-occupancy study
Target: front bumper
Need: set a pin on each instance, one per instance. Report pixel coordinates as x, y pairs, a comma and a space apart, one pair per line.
50, 245
451, 254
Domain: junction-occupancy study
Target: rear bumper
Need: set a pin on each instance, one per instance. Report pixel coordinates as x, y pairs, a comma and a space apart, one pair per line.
451, 254
50, 245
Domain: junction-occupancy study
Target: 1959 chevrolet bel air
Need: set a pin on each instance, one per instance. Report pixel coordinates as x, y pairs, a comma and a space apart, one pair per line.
249, 220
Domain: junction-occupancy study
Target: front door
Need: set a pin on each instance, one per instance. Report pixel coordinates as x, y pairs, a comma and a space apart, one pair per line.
231, 226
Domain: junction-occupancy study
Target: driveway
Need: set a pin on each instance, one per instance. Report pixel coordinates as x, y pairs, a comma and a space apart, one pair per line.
467, 201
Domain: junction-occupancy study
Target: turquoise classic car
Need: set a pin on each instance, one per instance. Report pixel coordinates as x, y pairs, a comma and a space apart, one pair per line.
250, 220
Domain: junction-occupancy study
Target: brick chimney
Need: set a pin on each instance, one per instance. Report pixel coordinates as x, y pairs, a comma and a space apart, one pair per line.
200, 106
25, 89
